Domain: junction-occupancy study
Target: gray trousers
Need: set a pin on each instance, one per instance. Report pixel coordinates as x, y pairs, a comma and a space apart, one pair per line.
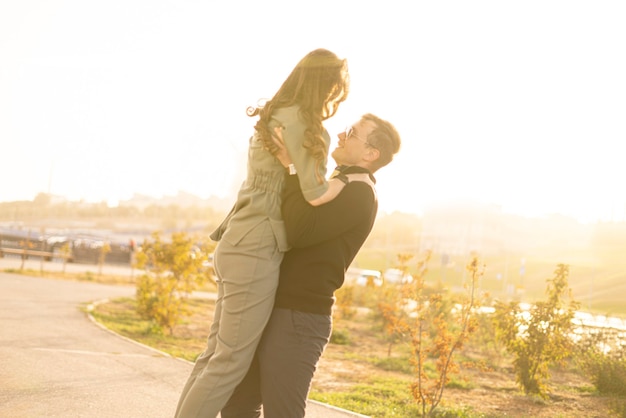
247, 280
283, 368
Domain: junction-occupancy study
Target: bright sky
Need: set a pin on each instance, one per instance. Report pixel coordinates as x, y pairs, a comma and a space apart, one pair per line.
521, 104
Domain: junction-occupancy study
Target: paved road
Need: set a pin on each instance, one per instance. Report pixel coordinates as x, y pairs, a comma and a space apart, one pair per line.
55, 362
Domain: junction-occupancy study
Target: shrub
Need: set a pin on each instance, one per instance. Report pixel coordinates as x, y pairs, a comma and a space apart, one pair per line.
173, 271
603, 357
540, 337
608, 374
344, 305
435, 330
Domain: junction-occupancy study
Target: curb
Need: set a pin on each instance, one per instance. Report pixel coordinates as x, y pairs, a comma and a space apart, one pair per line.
336, 408
90, 307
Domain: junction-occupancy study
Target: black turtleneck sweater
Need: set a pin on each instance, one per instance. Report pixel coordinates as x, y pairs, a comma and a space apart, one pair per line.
325, 240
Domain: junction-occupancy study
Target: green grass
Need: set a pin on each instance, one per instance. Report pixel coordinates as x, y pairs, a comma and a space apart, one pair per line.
379, 397
394, 364
340, 337
121, 317
86, 276
92, 276
376, 398
385, 397
374, 395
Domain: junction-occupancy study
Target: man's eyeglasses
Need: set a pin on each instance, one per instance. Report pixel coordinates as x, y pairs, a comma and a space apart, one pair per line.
349, 133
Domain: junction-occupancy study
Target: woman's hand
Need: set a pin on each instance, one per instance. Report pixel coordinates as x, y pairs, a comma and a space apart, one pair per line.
281, 154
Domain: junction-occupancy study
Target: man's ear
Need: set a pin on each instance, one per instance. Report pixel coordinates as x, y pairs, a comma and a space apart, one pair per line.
371, 154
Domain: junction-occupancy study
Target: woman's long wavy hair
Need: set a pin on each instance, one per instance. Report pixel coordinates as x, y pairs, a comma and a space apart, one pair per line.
318, 84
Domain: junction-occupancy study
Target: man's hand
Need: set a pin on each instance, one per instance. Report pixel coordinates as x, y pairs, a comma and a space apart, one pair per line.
281, 154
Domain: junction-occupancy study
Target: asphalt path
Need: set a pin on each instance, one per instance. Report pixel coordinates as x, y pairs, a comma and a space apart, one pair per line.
56, 362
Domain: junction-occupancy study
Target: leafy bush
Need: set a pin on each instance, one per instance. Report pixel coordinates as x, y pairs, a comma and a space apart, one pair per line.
173, 270
608, 374
539, 337
434, 329
602, 355
344, 305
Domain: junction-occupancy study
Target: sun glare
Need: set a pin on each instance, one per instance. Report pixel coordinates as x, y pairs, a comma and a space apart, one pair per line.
490, 110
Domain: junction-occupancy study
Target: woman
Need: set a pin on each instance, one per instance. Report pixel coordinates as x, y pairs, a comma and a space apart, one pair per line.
252, 238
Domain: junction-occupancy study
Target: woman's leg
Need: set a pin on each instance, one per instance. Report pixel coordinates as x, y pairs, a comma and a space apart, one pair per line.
249, 276
204, 357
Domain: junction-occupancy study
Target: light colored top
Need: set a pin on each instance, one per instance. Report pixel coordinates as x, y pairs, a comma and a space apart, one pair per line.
260, 196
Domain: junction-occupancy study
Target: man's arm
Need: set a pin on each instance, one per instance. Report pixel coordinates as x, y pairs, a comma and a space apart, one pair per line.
309, 225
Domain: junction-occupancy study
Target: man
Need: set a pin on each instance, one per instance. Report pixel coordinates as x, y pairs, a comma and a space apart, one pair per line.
324, 239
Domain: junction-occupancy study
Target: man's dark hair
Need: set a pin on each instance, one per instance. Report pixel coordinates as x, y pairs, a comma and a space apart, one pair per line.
385, 138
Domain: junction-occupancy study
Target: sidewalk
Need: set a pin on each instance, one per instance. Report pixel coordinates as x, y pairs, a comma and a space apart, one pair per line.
54, 363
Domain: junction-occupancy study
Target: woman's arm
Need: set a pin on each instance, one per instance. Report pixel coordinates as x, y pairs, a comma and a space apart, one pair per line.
334, 185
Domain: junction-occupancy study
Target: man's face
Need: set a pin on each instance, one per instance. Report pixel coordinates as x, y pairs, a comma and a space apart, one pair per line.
354, 149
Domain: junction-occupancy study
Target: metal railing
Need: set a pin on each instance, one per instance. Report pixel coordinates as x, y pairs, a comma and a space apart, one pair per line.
47, 255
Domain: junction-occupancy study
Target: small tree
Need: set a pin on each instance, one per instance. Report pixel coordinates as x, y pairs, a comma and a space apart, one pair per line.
539, 337
66, 253
344, 305
102, 255
393, 299
173, 270
424, 318
438, 335
602, 354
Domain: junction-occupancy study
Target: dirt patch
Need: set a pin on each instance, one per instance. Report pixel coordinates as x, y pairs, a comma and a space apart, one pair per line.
492, 393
